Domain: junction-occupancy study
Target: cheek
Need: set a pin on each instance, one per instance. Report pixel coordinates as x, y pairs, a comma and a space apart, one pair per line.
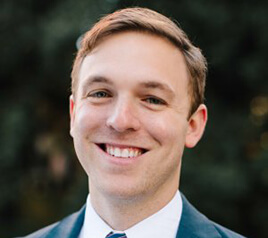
168, 128
86, 126
88, 119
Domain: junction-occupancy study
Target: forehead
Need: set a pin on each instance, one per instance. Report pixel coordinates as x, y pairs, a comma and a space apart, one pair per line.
136, 57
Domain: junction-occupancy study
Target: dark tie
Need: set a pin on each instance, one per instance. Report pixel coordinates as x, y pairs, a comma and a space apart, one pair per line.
116, 235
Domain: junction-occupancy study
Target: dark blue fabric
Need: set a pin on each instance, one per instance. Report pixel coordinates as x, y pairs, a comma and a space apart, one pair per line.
193, 224
69, 227
116, 235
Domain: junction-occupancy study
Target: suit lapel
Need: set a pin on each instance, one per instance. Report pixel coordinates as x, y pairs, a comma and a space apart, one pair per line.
69, 227
195, 224
192, 224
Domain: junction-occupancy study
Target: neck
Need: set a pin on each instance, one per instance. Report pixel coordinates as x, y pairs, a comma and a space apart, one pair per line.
123, 213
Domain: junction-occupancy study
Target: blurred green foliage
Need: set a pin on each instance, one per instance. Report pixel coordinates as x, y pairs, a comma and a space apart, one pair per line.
226, 176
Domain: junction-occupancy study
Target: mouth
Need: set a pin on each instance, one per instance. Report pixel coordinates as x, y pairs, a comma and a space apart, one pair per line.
122, 151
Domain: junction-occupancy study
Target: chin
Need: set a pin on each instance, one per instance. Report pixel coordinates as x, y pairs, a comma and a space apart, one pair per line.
126, 193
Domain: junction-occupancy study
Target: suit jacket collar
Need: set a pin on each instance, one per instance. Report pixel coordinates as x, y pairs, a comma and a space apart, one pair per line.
195, 224
192, 224
69, 227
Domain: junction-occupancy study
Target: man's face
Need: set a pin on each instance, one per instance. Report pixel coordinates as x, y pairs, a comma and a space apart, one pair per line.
129, 119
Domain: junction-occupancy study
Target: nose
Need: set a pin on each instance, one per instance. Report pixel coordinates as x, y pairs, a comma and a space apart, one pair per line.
123, 116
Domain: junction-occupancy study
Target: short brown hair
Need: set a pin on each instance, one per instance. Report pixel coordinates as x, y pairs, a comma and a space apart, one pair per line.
149, 21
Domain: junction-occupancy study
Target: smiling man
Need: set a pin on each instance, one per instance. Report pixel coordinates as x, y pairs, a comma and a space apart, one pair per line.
137, 102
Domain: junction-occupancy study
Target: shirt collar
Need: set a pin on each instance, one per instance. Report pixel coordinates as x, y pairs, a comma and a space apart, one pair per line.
163, 223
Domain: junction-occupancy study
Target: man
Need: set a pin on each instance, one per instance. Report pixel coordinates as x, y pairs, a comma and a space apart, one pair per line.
137, 102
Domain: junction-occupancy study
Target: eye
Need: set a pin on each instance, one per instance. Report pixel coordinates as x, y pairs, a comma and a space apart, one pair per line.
155, 101
99, 94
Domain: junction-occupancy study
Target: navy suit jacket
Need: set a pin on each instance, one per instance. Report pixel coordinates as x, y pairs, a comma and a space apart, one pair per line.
193, 224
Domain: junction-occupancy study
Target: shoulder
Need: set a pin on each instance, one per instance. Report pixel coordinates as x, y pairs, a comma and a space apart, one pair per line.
42, 232
195, 224
70, 227
226, 233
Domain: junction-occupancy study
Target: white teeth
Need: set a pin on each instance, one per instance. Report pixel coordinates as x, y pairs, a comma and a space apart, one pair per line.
123, 152
117, 152
131, 153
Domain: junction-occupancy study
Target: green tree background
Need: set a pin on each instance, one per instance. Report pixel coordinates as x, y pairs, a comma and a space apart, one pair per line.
226, 176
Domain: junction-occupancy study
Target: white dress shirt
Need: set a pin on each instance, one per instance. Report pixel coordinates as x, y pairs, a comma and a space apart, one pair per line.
164, 223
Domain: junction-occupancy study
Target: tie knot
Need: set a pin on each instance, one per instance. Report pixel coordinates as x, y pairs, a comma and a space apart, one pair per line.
116, 235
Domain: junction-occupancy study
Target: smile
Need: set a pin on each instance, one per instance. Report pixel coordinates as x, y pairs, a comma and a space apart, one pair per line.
122, 151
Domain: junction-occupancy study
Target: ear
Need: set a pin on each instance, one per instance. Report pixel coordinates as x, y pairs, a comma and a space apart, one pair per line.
196, 126
72, 113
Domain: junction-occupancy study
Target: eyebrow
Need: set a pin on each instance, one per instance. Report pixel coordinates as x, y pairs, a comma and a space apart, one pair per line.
157, 85
95, 79
151, 84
